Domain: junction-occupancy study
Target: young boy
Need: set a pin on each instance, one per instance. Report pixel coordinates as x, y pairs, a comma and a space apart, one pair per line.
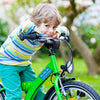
15, 65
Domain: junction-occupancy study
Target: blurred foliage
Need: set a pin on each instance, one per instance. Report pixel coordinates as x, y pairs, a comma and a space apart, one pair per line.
11, 13
4, 30
90, 31
30, 3
25, 4
62, 11
86, 31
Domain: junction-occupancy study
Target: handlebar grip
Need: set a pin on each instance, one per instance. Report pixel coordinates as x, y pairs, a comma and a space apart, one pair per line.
33, 36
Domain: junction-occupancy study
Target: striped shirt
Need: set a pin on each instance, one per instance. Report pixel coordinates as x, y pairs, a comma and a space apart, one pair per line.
17, 52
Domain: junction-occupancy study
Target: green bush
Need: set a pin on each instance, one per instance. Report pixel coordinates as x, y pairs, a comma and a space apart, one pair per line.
4, 30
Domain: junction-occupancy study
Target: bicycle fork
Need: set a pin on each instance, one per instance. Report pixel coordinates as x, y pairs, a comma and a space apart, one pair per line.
57, 79
59, 93
57, 89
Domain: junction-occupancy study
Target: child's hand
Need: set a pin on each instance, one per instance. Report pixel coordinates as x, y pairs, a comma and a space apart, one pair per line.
62, 29
56, 35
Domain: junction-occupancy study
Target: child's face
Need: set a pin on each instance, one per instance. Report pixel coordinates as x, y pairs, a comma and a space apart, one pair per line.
49, 29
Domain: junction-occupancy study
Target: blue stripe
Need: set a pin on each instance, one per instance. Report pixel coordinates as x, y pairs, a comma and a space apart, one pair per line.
33, 27
5, 60
10, 55
30, 29
15, 43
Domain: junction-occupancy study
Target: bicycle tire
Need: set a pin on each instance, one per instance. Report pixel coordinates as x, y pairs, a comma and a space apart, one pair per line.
2, 93
75, 87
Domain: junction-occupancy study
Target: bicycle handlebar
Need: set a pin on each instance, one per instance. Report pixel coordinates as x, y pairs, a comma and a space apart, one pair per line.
38, 37
29, 36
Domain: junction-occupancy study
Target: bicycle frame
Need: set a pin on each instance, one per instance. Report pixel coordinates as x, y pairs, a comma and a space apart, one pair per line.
33, 87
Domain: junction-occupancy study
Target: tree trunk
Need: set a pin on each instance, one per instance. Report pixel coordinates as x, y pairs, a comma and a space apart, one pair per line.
85, 52
97, 55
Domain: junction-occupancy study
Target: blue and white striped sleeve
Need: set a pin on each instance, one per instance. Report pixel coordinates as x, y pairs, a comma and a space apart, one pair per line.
27, 27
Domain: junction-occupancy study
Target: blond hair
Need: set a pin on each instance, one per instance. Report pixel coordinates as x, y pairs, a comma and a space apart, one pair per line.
43, 13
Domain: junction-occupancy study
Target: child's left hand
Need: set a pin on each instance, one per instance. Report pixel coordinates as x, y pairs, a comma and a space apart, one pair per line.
62, 29
56, 35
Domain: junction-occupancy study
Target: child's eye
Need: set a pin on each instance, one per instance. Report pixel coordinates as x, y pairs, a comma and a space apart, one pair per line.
54, 27
47, 25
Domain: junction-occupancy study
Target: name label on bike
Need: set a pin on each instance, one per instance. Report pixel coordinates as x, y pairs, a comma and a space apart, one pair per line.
45, 73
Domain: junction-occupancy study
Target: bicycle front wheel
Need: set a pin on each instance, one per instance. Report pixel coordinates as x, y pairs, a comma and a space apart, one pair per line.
75, 91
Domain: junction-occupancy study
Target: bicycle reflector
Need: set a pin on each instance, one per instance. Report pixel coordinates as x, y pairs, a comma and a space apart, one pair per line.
68, 67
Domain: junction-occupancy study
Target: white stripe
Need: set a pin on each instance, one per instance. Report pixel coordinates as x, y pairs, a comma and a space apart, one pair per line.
12, 62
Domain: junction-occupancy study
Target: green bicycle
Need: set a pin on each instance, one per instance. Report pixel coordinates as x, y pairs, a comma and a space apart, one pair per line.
64, 88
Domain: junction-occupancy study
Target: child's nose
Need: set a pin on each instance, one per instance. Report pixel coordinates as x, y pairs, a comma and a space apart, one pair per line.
51, 30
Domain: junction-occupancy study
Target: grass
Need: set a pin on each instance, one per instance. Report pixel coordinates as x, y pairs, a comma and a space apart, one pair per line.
80, 72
